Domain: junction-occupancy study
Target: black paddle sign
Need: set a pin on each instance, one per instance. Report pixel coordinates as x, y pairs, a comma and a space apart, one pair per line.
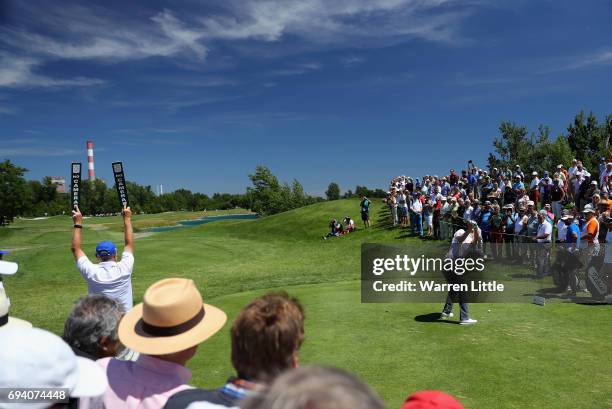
120, 184
75, 184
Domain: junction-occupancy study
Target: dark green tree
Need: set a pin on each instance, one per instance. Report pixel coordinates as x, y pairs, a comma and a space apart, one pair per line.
13, 192
587, 140
333, 191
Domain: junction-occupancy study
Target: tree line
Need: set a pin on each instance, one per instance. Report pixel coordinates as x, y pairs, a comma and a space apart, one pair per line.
31, 198
586, 139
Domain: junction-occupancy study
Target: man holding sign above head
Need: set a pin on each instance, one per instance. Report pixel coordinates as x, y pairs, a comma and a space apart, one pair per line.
109, 277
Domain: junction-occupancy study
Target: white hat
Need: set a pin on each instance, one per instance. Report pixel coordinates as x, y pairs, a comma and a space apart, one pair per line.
6, 321
530, 203
8, 267
35, 358
588, 209
534, 173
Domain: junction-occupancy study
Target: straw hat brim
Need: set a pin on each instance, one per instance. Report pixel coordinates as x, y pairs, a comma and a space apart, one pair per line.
131, 335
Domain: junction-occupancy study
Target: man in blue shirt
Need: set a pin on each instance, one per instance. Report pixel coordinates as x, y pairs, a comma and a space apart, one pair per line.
572, 240
484, 224
573, 231
518, 185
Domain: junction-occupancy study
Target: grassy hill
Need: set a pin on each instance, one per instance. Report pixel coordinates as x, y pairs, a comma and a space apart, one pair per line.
518, 356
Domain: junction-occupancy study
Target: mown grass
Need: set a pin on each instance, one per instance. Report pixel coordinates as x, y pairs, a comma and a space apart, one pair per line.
518, 356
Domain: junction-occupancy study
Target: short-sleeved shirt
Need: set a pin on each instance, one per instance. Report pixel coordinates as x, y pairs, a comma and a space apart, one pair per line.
544, 228
111, 278
146, 383
592, 228
416, 206
561, 231
365, 206
572, 230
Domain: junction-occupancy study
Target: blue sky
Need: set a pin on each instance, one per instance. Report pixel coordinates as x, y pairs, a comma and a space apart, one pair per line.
196, 94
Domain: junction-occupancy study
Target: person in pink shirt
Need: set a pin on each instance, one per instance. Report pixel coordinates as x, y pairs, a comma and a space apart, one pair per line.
166, 329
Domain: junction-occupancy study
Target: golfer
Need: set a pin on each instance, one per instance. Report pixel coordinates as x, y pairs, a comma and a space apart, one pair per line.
110, 277
464, 244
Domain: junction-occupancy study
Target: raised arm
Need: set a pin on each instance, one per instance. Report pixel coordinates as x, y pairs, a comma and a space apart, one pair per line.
129, 234
77, 219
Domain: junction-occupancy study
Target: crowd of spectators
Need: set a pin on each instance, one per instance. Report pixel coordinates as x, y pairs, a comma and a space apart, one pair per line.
513, 208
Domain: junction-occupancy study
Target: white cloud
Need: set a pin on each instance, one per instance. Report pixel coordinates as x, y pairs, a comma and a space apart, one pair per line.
353, 22
104, 35
585, 61
17, 72
92, 34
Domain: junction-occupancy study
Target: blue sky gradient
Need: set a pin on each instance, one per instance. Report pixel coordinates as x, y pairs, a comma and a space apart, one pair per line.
196, 94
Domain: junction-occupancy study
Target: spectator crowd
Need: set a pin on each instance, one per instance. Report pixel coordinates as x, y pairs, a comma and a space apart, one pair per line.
513, 208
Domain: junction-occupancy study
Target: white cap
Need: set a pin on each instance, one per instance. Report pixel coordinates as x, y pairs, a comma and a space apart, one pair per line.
8, 268
534, 173
530, 203
35, 358
588, 209
7, 321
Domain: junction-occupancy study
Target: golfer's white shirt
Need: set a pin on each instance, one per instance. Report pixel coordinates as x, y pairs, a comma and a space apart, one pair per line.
111, 278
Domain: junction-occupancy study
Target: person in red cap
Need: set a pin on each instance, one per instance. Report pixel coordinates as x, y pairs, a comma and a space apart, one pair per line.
431, 400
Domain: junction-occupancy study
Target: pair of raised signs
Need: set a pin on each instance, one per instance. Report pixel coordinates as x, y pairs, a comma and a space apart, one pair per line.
75, 184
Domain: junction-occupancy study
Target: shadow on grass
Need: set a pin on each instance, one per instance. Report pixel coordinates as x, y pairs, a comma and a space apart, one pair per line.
433, 317
553, 293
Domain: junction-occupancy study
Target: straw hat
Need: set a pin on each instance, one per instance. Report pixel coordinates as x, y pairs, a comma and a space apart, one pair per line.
6, 321
171, 318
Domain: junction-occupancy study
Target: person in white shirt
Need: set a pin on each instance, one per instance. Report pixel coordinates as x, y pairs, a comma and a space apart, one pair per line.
543, 239
445, 218
402, 208
110, 277
416, 209
605, 175
562, 228
534, 186
463, 243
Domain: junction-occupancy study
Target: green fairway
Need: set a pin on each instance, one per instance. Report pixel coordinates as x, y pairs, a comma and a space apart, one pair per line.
517, 356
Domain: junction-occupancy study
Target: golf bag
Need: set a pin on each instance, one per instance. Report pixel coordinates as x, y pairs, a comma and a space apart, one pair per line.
566, 261
598, 279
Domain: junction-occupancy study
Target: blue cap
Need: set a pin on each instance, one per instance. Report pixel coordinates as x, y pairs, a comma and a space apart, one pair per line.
106, 248
4, 252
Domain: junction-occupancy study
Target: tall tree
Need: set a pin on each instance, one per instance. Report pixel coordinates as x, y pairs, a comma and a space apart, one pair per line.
13, 191
333, 191
513, 147
587, 140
